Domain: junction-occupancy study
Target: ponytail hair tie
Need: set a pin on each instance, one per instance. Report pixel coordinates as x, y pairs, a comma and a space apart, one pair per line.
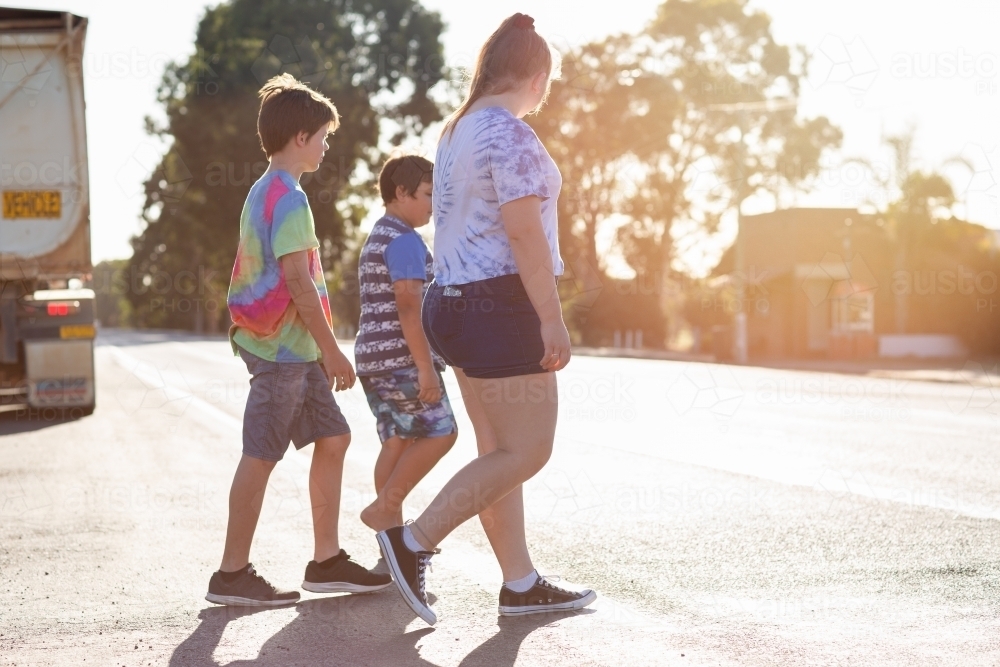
524, 22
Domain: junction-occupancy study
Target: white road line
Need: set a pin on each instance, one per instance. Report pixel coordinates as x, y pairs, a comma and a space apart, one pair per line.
149, 375
828, 481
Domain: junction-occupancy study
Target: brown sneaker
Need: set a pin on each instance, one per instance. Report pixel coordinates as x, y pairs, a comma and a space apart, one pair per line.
340, 574
543, 597
248, 589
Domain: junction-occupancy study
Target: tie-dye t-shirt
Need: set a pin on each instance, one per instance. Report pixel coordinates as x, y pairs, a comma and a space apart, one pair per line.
489, 159
276, 221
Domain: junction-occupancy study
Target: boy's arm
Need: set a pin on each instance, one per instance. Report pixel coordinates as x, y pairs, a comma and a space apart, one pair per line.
409, 295
305, 296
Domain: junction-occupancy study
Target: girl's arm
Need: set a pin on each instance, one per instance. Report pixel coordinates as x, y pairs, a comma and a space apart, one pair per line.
522, 219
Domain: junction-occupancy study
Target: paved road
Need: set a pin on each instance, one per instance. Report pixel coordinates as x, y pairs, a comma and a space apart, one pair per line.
726, 515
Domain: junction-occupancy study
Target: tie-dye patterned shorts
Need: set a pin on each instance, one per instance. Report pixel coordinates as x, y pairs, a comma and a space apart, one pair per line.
392, 396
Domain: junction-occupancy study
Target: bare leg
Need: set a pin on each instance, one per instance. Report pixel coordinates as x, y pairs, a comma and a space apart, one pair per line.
245, 500
411, 466
522, 413
388, 457
503, 521
375, 516
325, 479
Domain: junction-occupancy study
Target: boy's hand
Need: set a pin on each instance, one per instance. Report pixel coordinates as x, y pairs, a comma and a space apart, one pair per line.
339, 371
305, 296
430, 385
409, 295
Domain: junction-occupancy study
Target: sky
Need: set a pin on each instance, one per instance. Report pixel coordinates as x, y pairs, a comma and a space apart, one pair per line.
878, 68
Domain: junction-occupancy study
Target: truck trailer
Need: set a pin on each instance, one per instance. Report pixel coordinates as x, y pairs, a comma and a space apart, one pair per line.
47, 324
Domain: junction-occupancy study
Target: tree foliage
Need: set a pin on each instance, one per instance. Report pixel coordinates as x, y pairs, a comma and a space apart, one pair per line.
945, 269
672, 127
376, 59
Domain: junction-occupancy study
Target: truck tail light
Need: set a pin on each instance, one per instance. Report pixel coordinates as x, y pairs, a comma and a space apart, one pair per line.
62, 308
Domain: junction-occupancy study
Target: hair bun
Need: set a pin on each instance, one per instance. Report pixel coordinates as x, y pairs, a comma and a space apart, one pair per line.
524, 22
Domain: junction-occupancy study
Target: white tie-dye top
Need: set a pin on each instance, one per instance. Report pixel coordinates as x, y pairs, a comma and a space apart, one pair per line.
490, 158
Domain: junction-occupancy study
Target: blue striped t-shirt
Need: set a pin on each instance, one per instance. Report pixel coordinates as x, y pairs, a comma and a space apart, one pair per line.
393, 251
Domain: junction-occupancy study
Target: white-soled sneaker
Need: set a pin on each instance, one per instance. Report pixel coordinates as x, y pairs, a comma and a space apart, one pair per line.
408, 569
248, 589
340, 574
543, 597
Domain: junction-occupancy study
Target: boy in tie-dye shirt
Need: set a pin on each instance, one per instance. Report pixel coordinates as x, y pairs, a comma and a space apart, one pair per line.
282, 331
276, 221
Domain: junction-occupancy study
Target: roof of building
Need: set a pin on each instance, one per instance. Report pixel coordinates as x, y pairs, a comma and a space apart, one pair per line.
779, 241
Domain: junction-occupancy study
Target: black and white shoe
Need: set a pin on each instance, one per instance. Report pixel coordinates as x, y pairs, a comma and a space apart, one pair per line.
408, 570
543, 597
340, 574
248, 589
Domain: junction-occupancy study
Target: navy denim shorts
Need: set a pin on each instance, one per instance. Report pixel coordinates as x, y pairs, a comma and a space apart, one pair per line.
287, 402
487, 328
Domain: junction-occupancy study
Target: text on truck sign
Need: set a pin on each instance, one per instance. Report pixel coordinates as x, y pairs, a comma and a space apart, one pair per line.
32, 204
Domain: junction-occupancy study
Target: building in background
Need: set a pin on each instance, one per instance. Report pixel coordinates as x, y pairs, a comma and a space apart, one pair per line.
835, 283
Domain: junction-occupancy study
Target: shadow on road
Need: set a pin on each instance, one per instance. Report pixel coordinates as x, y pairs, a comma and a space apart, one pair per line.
349, 630
501, 649
24, 421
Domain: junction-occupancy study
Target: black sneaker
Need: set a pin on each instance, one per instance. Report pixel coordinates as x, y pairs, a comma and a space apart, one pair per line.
249, 589
340, 574
407, 568
543, 597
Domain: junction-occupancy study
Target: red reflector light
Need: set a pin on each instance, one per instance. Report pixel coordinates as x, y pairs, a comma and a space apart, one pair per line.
62, 308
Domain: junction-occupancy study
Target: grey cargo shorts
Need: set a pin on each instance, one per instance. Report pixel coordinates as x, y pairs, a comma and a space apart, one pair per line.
287, 402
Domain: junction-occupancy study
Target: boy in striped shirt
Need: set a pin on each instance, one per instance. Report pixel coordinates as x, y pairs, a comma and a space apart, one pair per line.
400, 374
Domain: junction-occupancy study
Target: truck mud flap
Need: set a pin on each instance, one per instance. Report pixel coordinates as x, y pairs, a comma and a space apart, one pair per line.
60, 373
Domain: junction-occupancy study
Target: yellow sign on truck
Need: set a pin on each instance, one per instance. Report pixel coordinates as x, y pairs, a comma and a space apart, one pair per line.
32, 204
